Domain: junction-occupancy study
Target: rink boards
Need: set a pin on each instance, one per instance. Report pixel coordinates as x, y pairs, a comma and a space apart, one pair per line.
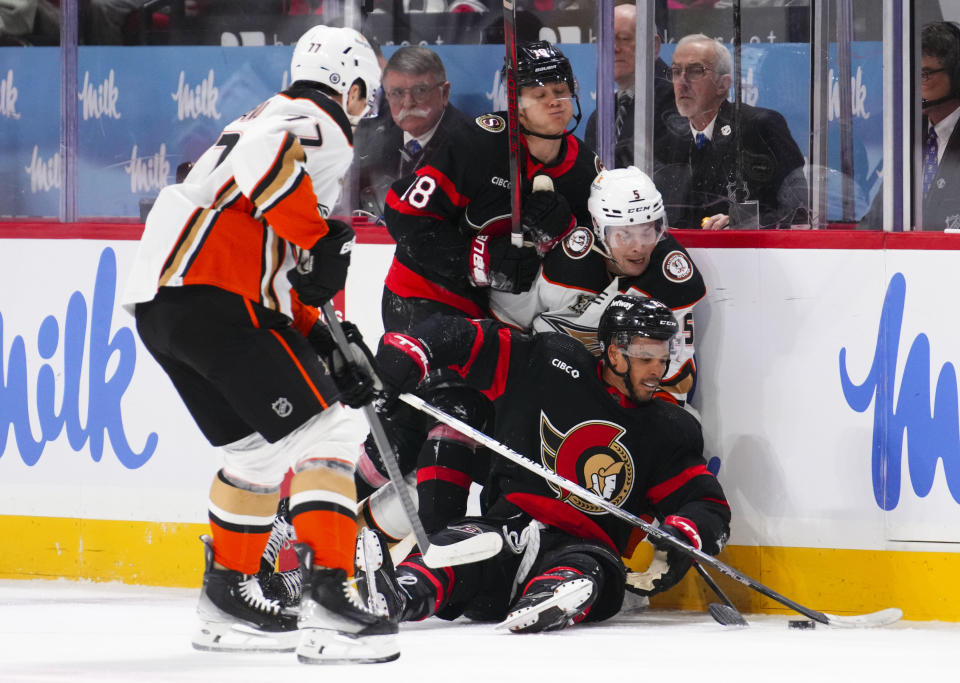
827, 390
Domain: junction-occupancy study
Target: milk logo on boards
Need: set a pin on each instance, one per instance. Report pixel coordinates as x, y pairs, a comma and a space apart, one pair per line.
148, 173
498, 92
194, 101
8, 97
858, 96
77, 386
927, 424
44, 173
99, 101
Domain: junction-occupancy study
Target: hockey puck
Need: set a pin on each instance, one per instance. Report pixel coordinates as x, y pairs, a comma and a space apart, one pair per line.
802, 624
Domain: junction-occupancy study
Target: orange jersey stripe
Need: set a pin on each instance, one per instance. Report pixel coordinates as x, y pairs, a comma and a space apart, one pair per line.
303, 372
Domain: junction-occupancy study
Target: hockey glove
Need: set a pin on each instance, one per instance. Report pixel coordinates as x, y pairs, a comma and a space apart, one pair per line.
321, 272
669, 565
403, 363
497, 264
546, 218
355, 377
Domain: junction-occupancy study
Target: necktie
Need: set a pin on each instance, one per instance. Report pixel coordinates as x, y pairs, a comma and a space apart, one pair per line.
701, 140
623, 112
929, 160
409, 162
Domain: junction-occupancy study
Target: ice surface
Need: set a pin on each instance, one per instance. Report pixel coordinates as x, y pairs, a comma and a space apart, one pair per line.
70, 632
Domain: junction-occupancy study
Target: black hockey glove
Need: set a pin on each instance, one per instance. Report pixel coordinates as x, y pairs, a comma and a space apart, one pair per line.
497, 264
355, 377
546, 216
403, 362
669, 565
321, 272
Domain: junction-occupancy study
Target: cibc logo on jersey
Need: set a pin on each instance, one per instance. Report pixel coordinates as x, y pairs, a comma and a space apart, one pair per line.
591, 455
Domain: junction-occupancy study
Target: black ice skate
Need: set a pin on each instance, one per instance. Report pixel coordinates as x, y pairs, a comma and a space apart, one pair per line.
234, 615
285, 586
336, 626
551, 601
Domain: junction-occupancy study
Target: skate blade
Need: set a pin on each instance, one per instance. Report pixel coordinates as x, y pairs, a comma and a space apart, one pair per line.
567, 599
233, 637
325, 646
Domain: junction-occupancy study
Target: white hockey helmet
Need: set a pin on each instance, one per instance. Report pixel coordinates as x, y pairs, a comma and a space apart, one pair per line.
336, 57
623, 197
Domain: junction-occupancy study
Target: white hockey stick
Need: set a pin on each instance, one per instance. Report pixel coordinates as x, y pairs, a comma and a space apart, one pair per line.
881, 618
473, 549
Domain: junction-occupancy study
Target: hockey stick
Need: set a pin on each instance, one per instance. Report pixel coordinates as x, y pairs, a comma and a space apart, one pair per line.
726, 614
513, 122
472, 549
881, 618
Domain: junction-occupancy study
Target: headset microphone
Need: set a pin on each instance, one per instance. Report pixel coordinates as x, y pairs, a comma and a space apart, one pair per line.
926, 104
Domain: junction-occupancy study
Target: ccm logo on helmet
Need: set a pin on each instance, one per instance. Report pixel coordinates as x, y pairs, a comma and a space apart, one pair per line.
569, 369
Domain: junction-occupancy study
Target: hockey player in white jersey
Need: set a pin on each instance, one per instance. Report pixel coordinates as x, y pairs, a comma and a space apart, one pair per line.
627, 250
233, 264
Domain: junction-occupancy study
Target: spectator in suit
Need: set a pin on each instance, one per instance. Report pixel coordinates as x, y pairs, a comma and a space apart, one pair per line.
416, 89
624, 63
700, 161
940, 103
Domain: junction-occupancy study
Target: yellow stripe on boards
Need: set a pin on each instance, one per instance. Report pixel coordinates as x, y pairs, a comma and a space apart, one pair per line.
922, 584
836, 581
143, 553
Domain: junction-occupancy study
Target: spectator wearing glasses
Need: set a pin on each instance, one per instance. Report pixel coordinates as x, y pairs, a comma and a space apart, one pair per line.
624, 67
416, 89
699, 166
940, 158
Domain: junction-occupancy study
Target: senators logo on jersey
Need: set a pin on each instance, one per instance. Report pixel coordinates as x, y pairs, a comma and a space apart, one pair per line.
591, 455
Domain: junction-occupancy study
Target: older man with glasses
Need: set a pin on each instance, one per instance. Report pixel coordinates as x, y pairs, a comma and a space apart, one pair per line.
940, 126
416, 89
700, 165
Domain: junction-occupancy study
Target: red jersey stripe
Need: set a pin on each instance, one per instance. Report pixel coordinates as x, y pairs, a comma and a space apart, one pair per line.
661, 491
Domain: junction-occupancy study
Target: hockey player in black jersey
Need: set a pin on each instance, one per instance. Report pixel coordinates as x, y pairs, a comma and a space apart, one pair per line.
451, 223
593, 422
463, 193
628, 250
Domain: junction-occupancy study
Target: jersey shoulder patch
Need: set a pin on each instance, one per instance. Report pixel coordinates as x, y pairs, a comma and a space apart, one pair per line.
677, 266
578, 243
491, 122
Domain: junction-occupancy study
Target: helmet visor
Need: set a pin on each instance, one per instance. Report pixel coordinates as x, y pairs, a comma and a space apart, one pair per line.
645, 348
639, 234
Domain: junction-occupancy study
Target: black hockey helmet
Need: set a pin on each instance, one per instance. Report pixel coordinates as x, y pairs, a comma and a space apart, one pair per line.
539, 63
628, 316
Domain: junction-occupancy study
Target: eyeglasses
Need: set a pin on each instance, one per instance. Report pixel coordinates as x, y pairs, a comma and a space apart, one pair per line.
417, 92
925, 74
693, 72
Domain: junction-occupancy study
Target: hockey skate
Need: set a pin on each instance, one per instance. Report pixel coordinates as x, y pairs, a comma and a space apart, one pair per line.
234, 615
376, 581
551, 602
282, 586
336, 626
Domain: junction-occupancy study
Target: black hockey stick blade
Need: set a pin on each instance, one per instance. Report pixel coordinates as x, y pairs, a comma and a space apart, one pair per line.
881, 618
725, 615
472, 549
